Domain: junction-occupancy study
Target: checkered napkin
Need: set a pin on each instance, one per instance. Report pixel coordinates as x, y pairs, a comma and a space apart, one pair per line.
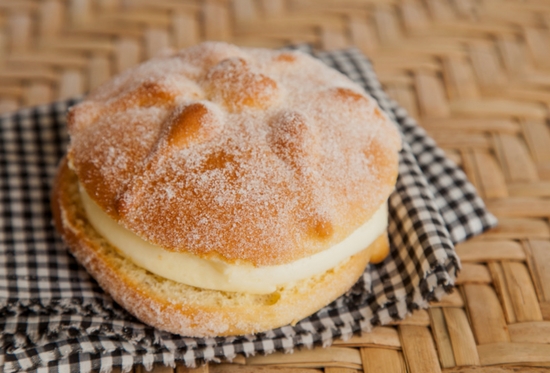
54, 316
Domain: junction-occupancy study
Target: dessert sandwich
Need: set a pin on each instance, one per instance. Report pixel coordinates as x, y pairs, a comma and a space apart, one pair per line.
226, 191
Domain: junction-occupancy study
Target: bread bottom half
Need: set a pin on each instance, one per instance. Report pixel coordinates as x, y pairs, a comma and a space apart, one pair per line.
187, 310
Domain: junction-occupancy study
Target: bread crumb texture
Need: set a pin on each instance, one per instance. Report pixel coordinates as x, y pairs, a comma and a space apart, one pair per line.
247, 155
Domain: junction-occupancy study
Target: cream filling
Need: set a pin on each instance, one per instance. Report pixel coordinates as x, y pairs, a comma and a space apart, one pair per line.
218, 275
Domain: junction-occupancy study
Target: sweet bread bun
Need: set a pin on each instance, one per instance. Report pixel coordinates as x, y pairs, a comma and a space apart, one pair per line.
246, 157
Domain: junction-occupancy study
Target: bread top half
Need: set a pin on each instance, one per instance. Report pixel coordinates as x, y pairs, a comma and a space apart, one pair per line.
242, 155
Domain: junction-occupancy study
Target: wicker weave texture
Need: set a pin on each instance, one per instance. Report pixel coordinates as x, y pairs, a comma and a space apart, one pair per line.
476, 74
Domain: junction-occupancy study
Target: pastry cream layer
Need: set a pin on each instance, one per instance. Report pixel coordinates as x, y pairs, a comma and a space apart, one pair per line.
218, 275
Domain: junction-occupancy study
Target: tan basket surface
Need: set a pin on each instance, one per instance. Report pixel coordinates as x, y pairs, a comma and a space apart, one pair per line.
476, 75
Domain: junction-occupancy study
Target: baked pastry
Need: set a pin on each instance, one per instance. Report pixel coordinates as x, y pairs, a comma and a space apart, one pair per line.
226, 191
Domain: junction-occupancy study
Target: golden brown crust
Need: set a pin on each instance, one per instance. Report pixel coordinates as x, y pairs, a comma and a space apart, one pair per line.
182, 309
248, 155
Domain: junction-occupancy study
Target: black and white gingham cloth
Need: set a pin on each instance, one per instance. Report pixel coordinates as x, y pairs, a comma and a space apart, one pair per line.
54, 316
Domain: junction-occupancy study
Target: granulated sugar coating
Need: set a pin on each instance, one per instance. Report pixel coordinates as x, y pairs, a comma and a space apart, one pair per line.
250, 156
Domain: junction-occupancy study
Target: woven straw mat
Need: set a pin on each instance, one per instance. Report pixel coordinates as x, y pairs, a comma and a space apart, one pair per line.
475, 74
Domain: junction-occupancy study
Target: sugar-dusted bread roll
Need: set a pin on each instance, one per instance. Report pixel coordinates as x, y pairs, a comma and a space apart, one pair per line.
225, 191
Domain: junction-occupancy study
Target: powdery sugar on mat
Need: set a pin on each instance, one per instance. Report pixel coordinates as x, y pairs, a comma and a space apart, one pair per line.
52, 312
